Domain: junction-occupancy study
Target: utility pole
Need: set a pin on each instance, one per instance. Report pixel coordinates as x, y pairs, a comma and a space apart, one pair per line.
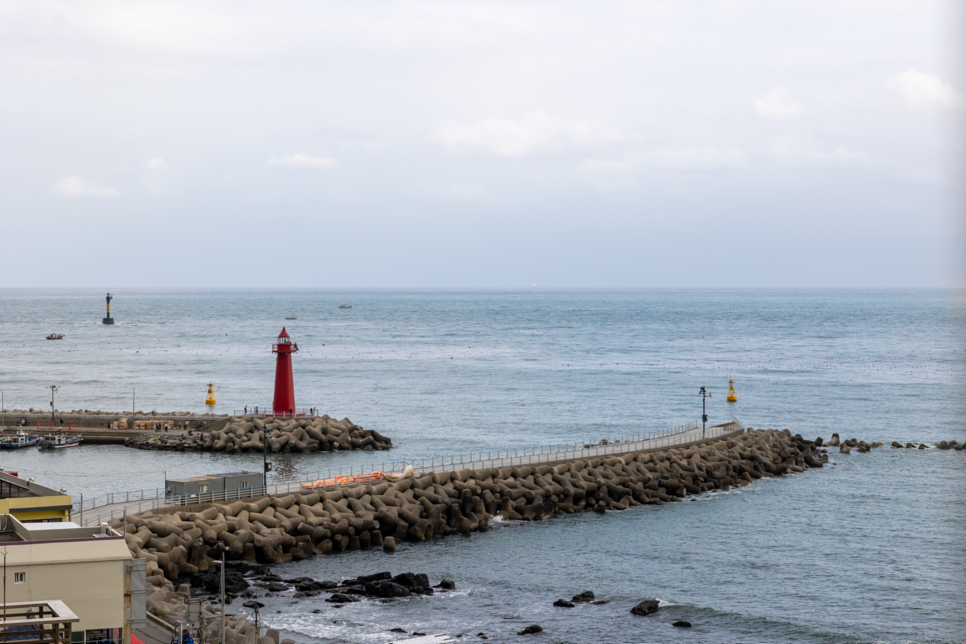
134, 391
704, 414
222, 595
266, 466
53, 390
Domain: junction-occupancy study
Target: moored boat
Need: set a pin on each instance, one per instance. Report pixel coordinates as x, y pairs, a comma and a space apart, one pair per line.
19, 440
55, 336
60, 440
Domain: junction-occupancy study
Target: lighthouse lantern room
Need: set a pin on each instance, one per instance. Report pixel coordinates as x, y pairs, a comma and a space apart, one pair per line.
284, 404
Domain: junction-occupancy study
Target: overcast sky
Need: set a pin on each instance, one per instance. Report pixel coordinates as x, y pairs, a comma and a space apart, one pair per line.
482, 144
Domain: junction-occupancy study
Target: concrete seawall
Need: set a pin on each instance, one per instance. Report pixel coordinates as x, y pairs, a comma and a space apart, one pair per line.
183, 541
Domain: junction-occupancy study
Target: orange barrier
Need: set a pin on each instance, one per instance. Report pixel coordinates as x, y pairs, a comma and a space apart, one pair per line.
344, 480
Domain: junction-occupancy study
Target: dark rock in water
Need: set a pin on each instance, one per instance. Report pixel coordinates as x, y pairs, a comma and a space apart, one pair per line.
210, 581
600, 602
896, 444
529, 630
253, 604
563, 603
417, 634
922, 446
845, 449
317, 610
943, 445
682, 624
386, 589
379, 576
818, 441
421, 581
339, 598
277, 587
446, 584
586, 596
308, 586
646, 607
397, 630
600, 508
406, 579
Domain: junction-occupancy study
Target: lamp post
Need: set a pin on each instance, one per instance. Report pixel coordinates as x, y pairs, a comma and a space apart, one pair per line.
704, 414
2, 410
134, 391
266, 466
53, 390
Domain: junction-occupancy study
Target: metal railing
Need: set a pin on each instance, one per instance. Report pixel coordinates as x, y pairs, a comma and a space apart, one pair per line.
154, 499
266, 412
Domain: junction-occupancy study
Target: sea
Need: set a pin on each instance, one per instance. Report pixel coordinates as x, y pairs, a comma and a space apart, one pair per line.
870, 548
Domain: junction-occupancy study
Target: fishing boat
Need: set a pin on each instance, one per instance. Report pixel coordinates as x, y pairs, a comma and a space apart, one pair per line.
290, 317
60, 440
346, 306
19, 440
55, 336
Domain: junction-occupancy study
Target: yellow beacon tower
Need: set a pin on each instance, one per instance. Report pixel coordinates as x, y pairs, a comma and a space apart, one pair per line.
731, 390
210, 400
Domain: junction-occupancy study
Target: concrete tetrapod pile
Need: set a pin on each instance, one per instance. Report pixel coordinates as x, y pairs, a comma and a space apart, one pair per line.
272, 530
305, 435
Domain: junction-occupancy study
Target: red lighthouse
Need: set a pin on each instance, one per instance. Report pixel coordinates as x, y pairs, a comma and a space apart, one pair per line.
284, 404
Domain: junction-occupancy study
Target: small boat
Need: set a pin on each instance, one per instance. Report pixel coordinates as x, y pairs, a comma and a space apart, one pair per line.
19, 440
290, 317
60, 440
55, 336
344, 306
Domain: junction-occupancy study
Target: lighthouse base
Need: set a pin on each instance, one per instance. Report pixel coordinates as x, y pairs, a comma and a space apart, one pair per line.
107, 321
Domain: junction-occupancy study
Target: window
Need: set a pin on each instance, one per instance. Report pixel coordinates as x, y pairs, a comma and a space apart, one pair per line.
244, 484
204, 488
19, 577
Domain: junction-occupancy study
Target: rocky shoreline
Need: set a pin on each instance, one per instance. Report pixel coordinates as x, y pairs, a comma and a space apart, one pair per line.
248, 433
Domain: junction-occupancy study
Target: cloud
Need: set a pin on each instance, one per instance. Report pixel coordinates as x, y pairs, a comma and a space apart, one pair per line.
776, 105
923, 90
157, 163
533, 134
303, 161
74, 186
457, 190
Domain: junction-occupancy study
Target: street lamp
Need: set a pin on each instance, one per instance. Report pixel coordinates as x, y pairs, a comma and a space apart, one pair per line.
704, 414
53, 390
266, 466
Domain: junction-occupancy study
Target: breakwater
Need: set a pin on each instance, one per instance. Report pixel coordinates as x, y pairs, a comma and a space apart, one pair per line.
277, 529
239, 434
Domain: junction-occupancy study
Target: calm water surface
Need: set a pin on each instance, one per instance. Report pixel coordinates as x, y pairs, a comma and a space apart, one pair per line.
870, 549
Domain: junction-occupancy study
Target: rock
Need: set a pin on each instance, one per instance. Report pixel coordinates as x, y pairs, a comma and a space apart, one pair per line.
943, 445
682, 624
389, 545
646, 607
397, 630
845, 449
922, 446
563, 603
586, 596
386, 589
339, 598
896, 444
530, 630
446, 584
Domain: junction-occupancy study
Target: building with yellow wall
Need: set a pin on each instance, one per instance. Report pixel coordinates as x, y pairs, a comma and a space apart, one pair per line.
30, 502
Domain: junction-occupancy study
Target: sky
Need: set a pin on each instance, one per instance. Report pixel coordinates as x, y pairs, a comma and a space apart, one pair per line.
482, 144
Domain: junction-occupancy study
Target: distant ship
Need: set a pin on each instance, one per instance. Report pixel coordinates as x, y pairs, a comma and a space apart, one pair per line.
290, 317
55, 336
345, 306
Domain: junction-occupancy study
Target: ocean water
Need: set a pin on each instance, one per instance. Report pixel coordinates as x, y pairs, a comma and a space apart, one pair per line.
871, 548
